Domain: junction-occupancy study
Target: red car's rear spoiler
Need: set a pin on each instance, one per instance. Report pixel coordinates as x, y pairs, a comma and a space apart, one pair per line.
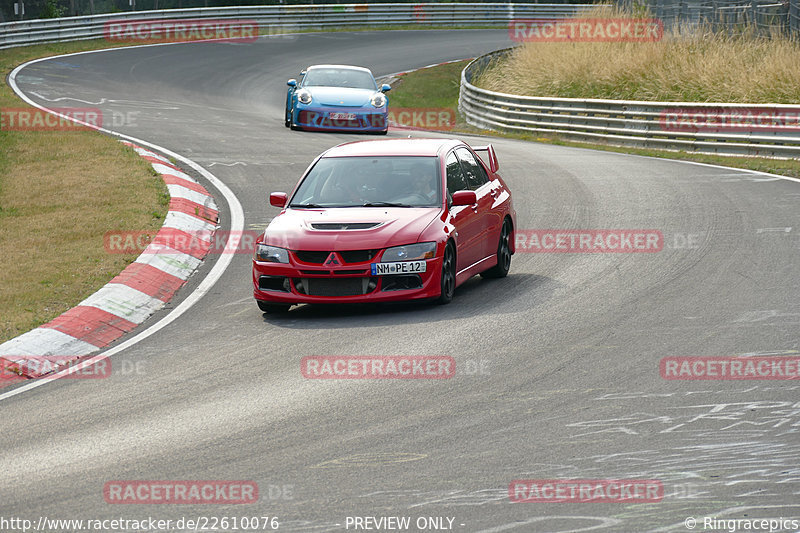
489, 149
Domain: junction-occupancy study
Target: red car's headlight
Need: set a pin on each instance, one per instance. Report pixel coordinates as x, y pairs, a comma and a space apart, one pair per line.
271, 254
409, 252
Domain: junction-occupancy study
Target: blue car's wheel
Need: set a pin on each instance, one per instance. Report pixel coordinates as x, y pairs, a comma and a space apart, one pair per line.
287, 121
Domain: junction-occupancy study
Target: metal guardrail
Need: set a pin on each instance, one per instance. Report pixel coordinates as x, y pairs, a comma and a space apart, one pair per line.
628, 123
281, 18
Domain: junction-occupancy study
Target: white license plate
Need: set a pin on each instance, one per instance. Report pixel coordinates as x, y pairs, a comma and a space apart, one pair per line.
342, 116
401, 267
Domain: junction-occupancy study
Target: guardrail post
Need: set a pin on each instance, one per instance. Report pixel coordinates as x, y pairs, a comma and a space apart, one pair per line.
660, 9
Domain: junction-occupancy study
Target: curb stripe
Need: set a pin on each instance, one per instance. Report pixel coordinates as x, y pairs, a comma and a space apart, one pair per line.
181, 221
182, 205
170, 170
45, 341
29, 366
141, 289
149, 280
158, 159
196, 197
145, 152
172, 262
171, 179
184, 242
125, 302
91, 325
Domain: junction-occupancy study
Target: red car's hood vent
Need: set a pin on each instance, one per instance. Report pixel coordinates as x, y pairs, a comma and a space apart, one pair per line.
344, 225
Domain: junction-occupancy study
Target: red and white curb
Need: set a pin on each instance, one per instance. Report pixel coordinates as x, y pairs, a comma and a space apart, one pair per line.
140, 290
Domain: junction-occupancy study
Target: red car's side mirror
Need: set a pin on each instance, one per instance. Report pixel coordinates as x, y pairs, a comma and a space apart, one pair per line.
464, 198
278, 199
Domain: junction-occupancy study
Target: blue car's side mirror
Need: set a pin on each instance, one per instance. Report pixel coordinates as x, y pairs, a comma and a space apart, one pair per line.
292, 83
385, 88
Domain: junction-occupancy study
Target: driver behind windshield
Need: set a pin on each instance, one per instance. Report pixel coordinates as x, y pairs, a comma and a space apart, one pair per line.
423, 181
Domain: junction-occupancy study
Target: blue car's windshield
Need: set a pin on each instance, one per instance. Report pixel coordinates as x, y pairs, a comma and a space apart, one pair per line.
339, 77
385, 181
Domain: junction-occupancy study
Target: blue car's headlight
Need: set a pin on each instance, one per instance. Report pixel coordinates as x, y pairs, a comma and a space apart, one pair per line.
378, 100
304, 96
410, 252
271, 254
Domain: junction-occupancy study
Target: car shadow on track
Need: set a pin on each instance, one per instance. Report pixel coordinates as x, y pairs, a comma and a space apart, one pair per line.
476, 297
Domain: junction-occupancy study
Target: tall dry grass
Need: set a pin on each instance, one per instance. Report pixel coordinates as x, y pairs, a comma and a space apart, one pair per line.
696, 65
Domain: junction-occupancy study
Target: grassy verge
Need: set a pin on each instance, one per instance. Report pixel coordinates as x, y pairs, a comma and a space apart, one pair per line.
438, 87
434, 87
60, 191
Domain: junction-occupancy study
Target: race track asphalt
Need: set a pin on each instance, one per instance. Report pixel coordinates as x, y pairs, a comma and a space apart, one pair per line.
568, 344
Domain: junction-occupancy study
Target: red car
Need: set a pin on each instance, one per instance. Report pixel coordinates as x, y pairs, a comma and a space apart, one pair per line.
385, 221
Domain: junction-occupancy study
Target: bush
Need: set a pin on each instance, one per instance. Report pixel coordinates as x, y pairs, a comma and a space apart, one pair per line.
51, 10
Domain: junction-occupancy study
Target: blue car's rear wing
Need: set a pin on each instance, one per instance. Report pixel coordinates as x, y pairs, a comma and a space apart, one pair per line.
491, 156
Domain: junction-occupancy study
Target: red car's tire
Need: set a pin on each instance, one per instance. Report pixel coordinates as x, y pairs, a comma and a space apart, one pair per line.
448, 279
503, 254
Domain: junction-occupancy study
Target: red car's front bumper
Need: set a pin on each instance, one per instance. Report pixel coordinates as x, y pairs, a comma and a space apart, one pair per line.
297, 282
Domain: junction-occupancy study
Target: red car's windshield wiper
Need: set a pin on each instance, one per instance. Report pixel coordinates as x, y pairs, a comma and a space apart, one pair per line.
384, 204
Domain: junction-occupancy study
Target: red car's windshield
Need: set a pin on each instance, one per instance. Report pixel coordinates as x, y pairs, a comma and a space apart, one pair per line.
384, 181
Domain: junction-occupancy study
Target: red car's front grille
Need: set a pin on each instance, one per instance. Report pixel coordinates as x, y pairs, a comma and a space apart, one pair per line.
316, 258
348, 256
335, 286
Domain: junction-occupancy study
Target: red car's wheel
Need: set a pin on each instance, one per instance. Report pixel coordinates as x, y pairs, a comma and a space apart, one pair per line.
503, 254
448, 280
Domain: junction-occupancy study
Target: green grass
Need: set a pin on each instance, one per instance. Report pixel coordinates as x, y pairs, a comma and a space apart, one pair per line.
60, 191
430, 87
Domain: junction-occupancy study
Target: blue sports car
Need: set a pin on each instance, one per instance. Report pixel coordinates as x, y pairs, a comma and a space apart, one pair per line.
337, 97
